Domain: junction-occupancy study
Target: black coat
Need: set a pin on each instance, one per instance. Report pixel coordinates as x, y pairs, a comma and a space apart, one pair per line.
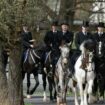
80, 37
98, 38
25, 38
52, 38
67, 37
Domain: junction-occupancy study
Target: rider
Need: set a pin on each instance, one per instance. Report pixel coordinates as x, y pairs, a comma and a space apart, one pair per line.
81, 36
65, 34
100, 34
51, 38
52, 41
27, 41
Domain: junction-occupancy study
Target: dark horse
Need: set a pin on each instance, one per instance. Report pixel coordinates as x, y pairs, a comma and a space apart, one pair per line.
49, 66
99, 83
30, 66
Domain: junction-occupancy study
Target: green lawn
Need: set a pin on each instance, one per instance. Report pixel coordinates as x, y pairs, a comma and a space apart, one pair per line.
28, 104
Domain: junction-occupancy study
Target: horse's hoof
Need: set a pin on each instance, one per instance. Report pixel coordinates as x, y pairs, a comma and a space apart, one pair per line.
45, 99
31, 92
58, 101
92, 99
24, 96
45, 70
63, 104
28, 96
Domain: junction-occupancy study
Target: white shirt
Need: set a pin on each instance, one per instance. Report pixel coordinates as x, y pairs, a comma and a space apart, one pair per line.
100, 33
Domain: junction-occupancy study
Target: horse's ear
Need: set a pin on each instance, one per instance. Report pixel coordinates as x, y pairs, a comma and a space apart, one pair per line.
60, 47
69, 44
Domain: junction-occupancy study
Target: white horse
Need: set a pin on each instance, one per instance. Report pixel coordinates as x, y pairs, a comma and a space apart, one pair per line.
84, 74
61, 75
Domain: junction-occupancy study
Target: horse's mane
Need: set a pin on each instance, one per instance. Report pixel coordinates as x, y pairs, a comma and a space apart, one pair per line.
88, 44
82, 49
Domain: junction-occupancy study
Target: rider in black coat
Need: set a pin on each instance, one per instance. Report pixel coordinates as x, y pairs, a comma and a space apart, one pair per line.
52, 42
100, 34
26, 39
52, 37
65, 34
79, 39
99, 83
83, 35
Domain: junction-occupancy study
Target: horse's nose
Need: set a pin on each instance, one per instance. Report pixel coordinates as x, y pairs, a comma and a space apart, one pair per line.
65, 60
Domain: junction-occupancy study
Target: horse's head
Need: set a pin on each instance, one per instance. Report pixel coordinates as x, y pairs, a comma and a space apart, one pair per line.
90, 56
65, 53
88, 44
87, 53
100, 49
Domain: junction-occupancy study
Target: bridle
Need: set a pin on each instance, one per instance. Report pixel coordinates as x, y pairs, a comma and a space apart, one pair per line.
86, 61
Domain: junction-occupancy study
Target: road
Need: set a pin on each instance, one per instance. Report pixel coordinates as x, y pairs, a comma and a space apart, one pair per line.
39, 101
37, 98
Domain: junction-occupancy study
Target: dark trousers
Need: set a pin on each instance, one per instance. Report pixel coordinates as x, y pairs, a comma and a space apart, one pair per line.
23, 57
73, 59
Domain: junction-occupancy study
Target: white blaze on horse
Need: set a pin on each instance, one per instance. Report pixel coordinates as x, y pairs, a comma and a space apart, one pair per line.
61, 74
84, 72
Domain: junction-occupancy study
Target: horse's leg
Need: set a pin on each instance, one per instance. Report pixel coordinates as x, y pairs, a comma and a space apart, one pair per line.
94, 97
76, 97
44, 86
73, 85
50, 87
81, 93
85, 95
91, 99
37, 83
23, 75
28, 83
101, 89
64, 95
90, 83
55, 93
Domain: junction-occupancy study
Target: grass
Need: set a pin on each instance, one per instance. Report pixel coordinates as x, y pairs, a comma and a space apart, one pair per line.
28, 104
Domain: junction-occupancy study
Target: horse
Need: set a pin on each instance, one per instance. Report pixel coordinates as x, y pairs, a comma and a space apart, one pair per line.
61, 74
99, 83
48, 72
84, 73
30, 66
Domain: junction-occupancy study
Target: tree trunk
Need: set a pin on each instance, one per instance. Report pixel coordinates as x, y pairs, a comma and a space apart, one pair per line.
15, 78
66, 12
62, 11
3, 83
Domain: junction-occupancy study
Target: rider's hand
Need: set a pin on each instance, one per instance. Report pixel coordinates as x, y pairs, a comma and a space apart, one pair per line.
32, 46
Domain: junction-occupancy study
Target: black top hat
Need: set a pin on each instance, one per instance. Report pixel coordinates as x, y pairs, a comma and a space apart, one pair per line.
64, 23
101, 24
85, 24
54, 23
